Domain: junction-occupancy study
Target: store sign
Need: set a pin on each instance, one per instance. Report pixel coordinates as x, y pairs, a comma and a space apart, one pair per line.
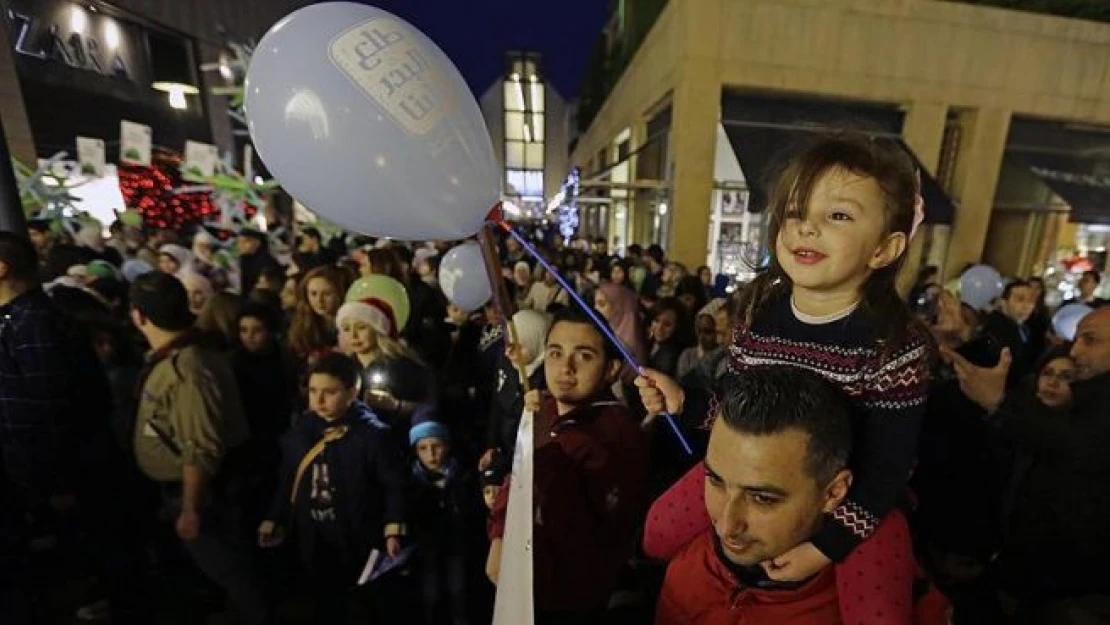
67, 33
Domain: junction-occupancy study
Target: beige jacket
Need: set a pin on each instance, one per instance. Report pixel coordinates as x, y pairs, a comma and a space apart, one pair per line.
192, 398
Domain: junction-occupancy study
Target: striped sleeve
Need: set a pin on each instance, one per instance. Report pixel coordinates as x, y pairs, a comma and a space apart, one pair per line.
894, 394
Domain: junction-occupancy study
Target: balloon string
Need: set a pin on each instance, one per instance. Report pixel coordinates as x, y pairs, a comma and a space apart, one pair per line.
601, 325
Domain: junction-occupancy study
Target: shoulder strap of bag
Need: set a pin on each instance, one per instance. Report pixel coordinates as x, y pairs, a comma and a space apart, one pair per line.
331, 434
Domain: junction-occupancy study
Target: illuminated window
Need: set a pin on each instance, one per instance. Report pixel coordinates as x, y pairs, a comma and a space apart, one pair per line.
514, 126
514, 154
528, 183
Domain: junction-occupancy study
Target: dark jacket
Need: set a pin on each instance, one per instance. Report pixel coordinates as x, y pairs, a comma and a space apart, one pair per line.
1061, 511
53, 396
465, 386
368, 478
405, 379
450, 518
1007, 333
267, 388
959, 467
664, 357
507, 405
426, 331
590, 495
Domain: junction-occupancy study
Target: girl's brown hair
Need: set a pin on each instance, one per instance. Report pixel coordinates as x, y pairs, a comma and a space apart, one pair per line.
894, 171
308, 331
220, 317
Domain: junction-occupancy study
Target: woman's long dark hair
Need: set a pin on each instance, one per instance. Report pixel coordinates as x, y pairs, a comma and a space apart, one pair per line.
896, 175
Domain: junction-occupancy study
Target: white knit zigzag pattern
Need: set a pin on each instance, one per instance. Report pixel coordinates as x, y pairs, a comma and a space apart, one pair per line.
853, 516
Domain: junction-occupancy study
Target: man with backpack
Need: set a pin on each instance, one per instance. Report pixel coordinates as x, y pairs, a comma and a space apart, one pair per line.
190, 422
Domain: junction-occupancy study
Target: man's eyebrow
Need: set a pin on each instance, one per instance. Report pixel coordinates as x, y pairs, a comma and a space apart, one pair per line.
762, 489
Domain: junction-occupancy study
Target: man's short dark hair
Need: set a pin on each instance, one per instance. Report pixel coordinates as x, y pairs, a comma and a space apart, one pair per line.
574, 314
163, 300
339, 366
773, 399
312, 233
1014, 284
635, 250
18, 253
1094, 275
655, 252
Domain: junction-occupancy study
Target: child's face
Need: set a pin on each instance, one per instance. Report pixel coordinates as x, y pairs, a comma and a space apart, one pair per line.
253, 334
489, 494
575, 364
432, 452
841, 238
1019, 305
328, 397
358, 336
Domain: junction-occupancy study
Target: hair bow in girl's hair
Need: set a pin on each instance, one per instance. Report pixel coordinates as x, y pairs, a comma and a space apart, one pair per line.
918, 208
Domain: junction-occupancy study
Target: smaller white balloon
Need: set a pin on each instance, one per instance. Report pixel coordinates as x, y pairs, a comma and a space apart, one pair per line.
980, 285
1066, 320
463, 277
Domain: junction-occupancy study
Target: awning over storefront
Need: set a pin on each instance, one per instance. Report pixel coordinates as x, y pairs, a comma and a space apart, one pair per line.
1077, 180
1073, 161
766, 131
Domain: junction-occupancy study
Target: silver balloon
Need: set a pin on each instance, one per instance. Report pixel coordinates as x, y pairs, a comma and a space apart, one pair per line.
463, 277
366, 121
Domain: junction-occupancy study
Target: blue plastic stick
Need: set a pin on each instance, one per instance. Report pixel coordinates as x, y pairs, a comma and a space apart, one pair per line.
601, 325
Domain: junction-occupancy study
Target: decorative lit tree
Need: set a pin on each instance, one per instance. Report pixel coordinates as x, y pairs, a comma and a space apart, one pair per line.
153, 192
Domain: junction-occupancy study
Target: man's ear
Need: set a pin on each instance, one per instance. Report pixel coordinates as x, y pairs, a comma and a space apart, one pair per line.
837, 490
4, 269
888, 251
138, 318
613, 370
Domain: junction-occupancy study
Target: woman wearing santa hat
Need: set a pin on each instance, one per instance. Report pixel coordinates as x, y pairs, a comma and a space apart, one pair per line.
395, 380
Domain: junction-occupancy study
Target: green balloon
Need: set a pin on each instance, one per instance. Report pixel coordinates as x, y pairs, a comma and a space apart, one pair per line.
386, 289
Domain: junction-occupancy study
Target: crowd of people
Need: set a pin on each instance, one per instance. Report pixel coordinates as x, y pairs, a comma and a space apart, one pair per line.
327, 428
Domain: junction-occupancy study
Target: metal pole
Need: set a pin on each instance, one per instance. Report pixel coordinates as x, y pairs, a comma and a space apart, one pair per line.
12, 218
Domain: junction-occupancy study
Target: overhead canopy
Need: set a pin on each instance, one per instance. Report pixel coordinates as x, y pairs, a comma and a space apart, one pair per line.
766, 131
1071, 160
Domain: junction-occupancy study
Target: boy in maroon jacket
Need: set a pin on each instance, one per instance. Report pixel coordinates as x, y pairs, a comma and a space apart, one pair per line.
590, 476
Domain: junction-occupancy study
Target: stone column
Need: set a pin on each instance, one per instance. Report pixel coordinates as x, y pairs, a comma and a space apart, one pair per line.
974, 184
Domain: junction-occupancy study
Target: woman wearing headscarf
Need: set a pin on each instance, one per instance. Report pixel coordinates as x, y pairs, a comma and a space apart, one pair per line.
174, 259
522, 282
621, 308
206, 263
199, 288
508, 400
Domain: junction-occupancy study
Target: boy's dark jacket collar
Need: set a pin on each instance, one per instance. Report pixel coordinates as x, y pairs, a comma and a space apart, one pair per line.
358, 412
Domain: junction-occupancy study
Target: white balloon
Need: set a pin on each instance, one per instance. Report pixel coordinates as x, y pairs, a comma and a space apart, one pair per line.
366, 121
980, 285
1066, 320
463, 277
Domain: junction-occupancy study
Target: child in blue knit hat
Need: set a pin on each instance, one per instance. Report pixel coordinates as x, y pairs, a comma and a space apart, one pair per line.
449, 523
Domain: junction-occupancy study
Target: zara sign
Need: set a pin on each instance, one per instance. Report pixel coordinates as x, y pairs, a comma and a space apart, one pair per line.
65, 32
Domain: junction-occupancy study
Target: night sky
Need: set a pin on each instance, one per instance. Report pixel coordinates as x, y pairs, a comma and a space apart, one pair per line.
477, 33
